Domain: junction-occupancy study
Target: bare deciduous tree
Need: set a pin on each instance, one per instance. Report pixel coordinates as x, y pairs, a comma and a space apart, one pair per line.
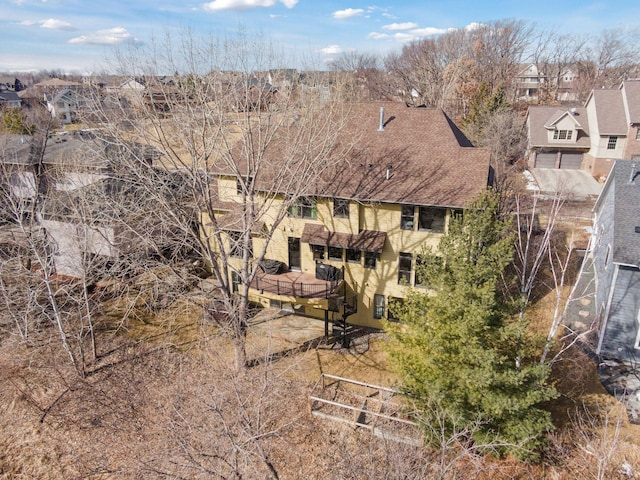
230, 137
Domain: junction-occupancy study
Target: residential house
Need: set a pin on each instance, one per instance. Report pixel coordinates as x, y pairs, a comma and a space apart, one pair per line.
615, 250
10, 99
86, 210
529, 82
65, 104
351, 246
591, 137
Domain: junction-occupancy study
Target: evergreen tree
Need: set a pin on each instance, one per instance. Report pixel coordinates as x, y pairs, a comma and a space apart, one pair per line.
460, 348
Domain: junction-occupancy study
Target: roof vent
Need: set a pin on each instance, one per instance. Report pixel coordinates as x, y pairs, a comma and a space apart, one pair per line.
381, 127
573, 110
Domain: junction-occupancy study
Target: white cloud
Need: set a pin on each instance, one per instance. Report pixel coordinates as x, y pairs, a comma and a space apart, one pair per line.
55, 24
218, 5
428, 31
331, 50
28, 23
347, 13
378, 36
474, 26
400, 26
112, 36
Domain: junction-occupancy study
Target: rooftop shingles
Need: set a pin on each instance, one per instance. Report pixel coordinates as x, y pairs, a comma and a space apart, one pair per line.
610, 114
428, 160
626, 242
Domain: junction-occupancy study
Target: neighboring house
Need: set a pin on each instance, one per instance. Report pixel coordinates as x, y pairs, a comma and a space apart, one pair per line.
10, 83
615, 250
529, 82
70, 161
10, 99
351, 246
65, 104
590, 137
85, 211
101, 224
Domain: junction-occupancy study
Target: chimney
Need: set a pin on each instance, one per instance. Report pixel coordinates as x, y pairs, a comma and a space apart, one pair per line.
381, 127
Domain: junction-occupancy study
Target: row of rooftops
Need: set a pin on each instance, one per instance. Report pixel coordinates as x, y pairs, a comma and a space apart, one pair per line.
418, 157
610, 111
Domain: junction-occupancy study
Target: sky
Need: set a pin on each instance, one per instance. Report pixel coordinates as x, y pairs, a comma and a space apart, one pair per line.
78, 36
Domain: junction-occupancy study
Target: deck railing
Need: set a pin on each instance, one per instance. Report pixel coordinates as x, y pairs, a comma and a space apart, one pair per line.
294, 288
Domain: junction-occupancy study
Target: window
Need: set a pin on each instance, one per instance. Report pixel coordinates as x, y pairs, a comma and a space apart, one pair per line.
405, 261
318, 252
406, 220
235, 282
370, 259
378, 306
353, 256
562, 134
432, 219
235, 244
304, 207
242, 183
638, 133
340, 208
335, 253
611, 144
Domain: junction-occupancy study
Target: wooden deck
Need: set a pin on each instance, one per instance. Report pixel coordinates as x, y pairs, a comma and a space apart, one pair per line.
295, 284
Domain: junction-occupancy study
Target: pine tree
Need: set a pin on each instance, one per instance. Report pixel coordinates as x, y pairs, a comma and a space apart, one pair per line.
459, 347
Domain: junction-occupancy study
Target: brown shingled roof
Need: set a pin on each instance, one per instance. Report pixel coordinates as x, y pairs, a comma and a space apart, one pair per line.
367, 240
419, 157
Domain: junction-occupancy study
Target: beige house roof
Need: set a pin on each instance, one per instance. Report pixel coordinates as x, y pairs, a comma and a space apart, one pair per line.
610, 114
542, 117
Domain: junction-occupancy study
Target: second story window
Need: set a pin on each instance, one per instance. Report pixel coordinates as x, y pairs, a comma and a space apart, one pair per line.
235, 245
432, 219
407, 218
562, 134
340, 208
611, 144
304, 207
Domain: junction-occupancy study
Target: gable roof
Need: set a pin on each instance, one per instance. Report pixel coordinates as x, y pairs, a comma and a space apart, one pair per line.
610, 113
542, 117
559, 115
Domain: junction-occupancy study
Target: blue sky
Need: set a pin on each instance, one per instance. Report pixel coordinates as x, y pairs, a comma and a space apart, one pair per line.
77, 35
